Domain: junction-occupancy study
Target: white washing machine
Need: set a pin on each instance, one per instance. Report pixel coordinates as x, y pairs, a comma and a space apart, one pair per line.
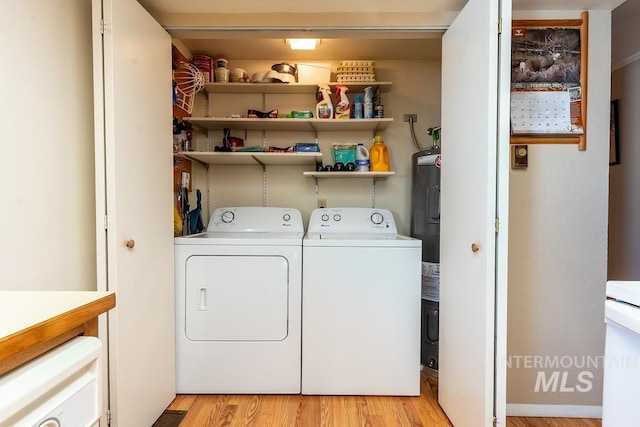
238, 301
360, 305
622, 355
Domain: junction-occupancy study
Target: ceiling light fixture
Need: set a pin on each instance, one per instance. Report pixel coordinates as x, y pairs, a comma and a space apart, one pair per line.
302, 44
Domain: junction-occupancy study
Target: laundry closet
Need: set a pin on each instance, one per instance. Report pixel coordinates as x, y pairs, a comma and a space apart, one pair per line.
261, 169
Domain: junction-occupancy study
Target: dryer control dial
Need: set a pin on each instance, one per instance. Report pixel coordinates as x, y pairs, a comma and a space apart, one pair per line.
337, 217
325, 217
377, 218
286, 217
227, 216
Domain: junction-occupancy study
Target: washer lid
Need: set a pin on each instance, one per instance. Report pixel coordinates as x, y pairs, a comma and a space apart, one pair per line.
354, 236
343, 240
625, 291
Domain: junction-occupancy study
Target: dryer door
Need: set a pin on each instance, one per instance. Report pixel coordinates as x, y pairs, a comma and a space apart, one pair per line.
237, 298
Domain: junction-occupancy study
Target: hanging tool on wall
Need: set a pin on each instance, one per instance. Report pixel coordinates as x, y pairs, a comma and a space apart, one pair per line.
184, 203
196, 225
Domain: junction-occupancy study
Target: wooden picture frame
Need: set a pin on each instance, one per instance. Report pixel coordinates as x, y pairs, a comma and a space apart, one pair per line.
614, 135
547, 69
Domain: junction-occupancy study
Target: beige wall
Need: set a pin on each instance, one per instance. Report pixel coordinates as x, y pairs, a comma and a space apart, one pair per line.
624, 179
557, 242
415, 89
46, 165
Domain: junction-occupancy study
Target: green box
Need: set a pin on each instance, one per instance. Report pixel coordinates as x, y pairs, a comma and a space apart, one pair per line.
344, 153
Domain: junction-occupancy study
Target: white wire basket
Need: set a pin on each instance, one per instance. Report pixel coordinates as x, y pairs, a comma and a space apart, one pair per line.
189, 81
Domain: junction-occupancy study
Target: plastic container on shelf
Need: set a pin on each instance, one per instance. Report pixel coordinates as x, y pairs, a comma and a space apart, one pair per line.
358, 112
362, 158
343, 107
379, 156
205, 65
221, 75
221, 63
324, 108
368, 102
378, 108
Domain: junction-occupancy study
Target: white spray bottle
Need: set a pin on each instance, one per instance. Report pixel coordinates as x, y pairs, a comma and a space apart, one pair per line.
324, 108
368, 102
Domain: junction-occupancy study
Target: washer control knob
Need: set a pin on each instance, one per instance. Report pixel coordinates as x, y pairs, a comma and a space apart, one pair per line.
324, 217
286, 217
337, 217
227, 216
377, 218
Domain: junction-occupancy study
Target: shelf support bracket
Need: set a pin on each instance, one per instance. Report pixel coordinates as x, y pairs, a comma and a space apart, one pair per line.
316, 191
264, 186
193, 159
373, 192
208, 195
264, 180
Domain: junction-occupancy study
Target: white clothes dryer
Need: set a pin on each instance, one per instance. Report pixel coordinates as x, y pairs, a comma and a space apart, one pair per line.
360, 305
238, 302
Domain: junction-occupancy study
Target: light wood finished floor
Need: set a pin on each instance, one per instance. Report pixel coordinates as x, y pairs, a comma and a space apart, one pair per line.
334, 411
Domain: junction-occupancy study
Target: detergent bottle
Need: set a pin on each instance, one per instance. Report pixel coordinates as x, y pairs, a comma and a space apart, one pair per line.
324, 108
362, 158
368, 102
343, 108
379, 155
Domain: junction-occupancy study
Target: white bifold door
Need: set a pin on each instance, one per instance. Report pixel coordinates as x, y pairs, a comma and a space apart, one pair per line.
133, 120
474, 180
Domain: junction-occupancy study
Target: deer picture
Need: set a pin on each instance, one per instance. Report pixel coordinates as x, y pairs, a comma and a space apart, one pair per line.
538, 63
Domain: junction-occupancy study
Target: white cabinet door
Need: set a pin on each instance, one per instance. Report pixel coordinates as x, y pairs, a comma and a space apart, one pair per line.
132, 66
471, 141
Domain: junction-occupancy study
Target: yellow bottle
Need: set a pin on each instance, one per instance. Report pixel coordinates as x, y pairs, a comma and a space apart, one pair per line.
379, 156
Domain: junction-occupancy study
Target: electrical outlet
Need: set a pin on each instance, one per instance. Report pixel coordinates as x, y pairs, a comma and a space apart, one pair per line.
322, 203
410, 117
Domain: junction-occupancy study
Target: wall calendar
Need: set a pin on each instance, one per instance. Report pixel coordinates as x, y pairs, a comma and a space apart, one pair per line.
548, 81
539, 112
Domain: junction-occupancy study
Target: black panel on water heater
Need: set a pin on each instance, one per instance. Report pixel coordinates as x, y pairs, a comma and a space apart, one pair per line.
425, 225
425, 203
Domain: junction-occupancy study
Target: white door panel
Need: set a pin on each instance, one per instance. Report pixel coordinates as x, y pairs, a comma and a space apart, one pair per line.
470, 92
134, 185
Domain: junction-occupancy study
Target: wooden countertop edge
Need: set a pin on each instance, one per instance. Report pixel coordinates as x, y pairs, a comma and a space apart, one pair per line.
35, 340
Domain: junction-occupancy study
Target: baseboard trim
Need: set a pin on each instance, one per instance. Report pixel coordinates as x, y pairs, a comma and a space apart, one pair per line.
563, 411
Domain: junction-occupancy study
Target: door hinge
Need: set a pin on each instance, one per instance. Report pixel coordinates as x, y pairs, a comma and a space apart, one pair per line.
497, 225
106, 222
109, 417
499, 25
101, 26
495, 421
